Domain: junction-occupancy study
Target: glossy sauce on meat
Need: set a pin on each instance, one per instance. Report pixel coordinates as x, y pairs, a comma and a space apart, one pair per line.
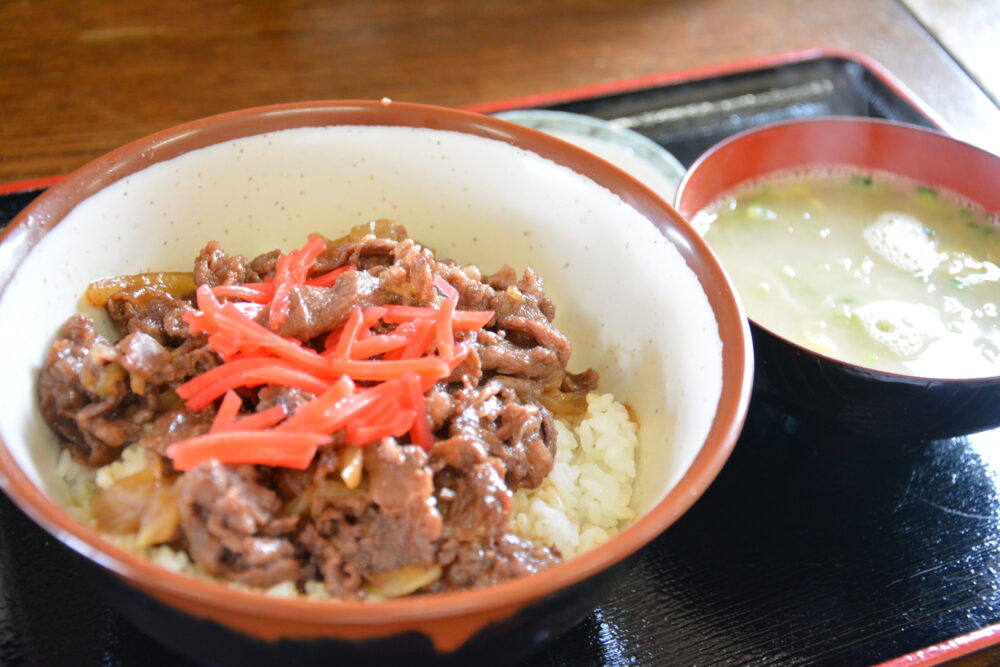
411, 520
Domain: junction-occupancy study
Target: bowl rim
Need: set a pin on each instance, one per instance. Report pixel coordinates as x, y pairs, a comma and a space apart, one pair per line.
931, 134
27, 229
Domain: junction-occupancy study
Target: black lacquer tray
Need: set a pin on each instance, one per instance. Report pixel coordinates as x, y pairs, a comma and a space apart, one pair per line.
812, 547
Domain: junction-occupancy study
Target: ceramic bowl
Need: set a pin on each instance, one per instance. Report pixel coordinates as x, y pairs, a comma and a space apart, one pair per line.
637, 291
650, 163
803, 382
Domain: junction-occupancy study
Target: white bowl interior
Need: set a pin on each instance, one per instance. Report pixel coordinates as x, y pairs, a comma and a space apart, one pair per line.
631, 306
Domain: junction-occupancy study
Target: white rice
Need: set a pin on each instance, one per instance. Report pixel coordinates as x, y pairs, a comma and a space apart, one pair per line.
587, 497
584, 501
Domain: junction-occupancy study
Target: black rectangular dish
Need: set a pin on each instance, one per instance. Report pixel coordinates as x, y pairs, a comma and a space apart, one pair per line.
812, 546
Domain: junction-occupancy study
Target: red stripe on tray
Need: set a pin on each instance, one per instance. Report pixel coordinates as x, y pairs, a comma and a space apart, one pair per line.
31, 184
947, 651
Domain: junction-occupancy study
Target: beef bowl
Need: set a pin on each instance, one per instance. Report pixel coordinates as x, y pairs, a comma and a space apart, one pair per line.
481, 370
866, 253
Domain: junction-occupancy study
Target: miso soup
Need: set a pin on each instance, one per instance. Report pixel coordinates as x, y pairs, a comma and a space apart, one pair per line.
867, 268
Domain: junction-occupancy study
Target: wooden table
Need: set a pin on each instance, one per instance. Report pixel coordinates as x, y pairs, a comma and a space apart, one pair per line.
81, 78
77, 79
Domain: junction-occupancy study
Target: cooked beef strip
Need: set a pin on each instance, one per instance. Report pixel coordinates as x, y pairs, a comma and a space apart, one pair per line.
193, 357
471, 368
448, 507
177, 423
291, 484
476, 564
264, 265
504, 278
315, 310
535, 363
340, 575
476, 503
473, 294
529, 284
411, 276
523, 318
288, 397
439, 406
146, 361
233, 527
214, 266
340, 255
60, 386
459, 452
149, 311
84, 395
397, 475
528, 452
394, 523
511, 430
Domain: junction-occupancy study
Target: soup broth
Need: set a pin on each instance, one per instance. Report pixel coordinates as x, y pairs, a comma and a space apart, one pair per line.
867, 268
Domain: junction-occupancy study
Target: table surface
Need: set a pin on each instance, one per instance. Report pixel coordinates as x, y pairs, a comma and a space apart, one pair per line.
77, 79
81, 78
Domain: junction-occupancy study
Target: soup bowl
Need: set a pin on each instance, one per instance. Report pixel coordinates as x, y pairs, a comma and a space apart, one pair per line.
804, 382
638, 292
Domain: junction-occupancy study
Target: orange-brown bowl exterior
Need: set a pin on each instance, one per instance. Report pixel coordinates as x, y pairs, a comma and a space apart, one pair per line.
803, 382
495, 625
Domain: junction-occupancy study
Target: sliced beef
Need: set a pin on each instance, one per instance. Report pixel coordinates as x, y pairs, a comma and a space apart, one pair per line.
233, 528
503, 279
61, 389
290, 483
538, 329
526, 389
526, 451
521, 435
537, 363
392, 525
477, 564
459, 452
470, 370
84, 394
446, 509
389, 540
316, 310
476, 410
149, 311
473, 293
521, 340
214, 266
519, 314
356, 254
397, 476
177, 423
339, 574
288, 397
439, 406
476, 502
193, 357
531, 285
297, 486
264, 265
411, 274
146, 361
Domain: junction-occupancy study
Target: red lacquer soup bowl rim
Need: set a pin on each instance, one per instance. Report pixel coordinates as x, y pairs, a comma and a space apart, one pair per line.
52, 206
736, 161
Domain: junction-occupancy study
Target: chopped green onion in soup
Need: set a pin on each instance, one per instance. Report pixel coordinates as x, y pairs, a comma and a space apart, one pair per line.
868, 268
